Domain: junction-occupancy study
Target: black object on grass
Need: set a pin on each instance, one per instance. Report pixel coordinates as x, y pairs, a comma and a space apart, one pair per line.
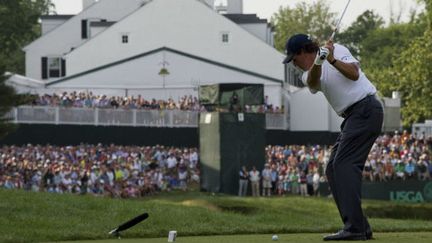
128, 224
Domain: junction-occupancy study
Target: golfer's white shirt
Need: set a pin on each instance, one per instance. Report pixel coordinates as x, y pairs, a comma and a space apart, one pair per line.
340, 91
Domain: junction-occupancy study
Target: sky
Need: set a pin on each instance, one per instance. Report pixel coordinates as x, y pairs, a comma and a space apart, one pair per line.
266, 8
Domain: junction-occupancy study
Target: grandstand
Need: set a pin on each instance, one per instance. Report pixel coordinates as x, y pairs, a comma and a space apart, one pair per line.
140, 171
132, 94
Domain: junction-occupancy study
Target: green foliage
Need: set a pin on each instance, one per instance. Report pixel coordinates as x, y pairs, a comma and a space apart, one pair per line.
381, 48
428, 4
18, 27
414, 75
384, 45
395, 58
314, 19
7, 101
353, 36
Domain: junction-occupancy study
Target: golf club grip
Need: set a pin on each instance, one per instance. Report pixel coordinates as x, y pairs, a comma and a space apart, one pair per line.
333, 35
330, 39
133, 222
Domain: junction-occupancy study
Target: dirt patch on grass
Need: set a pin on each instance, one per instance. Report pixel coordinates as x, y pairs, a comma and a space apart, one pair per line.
200, 203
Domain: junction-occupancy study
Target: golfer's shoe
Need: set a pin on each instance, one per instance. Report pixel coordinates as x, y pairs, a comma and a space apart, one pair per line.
345, 235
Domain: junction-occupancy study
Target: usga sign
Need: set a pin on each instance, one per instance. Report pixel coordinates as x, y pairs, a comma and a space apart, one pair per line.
413, 196
406, 196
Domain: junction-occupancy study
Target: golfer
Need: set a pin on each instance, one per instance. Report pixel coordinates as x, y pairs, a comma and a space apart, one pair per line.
333, 71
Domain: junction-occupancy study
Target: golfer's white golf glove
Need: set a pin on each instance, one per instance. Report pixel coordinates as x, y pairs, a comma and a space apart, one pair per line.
321, 55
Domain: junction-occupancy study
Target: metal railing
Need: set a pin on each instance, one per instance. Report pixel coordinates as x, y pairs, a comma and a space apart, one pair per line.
119, 117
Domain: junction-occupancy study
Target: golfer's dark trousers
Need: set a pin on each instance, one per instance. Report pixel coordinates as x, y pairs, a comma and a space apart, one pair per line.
359, 130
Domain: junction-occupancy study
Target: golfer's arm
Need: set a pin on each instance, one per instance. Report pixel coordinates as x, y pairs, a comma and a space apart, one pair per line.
349, 70
314, 76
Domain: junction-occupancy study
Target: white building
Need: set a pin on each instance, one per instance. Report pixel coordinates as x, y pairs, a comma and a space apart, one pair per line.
119, 47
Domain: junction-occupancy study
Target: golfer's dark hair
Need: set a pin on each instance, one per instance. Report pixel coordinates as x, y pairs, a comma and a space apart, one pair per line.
311, 47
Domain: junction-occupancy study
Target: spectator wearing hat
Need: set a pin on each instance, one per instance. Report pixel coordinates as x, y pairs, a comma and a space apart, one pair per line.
422, 168
266, 180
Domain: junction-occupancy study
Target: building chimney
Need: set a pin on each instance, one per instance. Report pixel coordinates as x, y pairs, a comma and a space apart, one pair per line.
87, 3
235, 7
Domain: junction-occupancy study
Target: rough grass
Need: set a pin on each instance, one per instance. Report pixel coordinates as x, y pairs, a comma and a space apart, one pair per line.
36, 217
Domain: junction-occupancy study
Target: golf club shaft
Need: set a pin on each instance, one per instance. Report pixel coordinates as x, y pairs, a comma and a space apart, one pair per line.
322, 57
339, 22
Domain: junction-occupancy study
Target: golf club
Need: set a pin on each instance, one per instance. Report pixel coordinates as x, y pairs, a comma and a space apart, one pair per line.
337, 26
128, 224
339, 22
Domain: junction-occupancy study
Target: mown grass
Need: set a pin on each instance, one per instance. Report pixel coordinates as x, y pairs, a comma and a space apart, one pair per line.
417, 237
36, 217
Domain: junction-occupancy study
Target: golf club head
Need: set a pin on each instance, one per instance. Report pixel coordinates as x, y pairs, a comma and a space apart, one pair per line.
114, 232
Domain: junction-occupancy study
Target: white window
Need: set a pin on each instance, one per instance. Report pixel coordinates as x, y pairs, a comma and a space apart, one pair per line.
225, 37
54, 67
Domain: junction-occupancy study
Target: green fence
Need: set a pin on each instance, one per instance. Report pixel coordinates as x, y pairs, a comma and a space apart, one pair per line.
413, 191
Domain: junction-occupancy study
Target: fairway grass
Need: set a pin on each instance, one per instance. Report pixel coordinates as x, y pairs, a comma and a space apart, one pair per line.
410, 237
45, 217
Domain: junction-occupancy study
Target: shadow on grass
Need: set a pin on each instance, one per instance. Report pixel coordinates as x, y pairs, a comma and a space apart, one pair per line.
244, 210
421, 212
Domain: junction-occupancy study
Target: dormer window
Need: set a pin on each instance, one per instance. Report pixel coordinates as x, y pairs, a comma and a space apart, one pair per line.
125, 38
84, 29
53, 67
225, 37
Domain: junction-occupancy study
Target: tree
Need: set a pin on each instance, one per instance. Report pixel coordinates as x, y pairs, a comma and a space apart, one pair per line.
19, 25
354, 35
414, 79
314, 19
378, 47
383, 45
7, 101
414, 75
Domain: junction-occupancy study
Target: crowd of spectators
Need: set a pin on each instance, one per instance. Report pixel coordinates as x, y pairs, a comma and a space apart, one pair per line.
135, 171
116, 171
300, 169
399, 156
90, 100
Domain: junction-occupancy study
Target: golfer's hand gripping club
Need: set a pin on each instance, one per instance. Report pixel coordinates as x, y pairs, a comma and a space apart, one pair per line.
321, 55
